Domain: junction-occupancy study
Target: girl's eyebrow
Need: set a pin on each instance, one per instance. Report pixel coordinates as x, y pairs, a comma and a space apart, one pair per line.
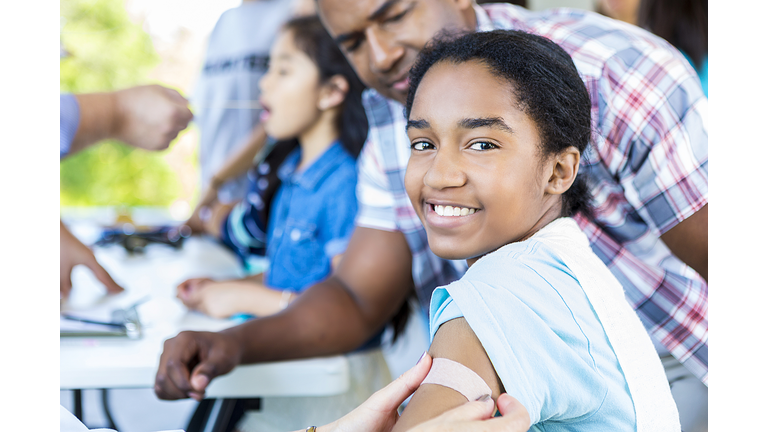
492, 122
417, 124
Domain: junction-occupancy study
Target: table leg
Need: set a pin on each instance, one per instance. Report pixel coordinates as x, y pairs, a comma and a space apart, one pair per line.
200, 417
231, 411
107, 414
77, 395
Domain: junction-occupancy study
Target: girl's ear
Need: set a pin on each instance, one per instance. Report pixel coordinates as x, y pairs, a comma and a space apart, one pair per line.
333, 93
564, 169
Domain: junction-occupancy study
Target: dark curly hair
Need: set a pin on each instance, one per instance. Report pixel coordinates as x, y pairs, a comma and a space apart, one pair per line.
544, 81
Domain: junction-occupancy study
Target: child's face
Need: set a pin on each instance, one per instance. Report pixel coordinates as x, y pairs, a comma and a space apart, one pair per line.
290, 90
475, 153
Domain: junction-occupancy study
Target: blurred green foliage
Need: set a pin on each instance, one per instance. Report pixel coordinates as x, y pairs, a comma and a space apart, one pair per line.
107, 51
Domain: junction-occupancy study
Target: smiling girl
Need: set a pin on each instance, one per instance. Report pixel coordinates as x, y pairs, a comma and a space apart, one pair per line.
498, 123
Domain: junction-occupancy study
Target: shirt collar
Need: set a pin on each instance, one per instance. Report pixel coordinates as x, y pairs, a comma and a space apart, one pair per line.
484, 23
311, 176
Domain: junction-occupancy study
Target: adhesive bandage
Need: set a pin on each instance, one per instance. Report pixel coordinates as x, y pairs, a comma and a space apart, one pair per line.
456, 376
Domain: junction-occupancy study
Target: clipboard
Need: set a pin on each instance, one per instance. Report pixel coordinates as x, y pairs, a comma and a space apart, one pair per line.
124, 323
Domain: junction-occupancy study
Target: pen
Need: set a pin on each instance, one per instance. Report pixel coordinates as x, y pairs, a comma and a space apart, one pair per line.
88, 321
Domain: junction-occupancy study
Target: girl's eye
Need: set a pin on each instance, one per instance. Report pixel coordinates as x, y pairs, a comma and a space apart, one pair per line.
483, 145
422, 145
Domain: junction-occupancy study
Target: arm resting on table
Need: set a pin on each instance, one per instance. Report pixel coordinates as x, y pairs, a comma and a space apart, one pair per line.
332, 317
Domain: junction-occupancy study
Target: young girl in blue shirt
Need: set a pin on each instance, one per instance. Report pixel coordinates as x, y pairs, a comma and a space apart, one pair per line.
498, 123
302, 205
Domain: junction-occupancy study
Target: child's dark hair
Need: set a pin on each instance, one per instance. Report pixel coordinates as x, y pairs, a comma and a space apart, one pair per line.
544, 81
310, 36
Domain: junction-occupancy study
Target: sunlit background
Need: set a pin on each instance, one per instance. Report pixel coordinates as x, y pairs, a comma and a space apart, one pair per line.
114, 44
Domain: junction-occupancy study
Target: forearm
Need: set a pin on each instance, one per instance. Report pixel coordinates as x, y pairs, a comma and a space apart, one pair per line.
257, 299
324, 320
98, 119
241, 161
342, 312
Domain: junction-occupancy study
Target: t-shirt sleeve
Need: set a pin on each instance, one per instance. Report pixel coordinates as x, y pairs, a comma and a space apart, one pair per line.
69, 119
531, 355
655, 115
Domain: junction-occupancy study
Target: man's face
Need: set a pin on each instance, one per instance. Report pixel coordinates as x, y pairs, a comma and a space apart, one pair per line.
382, 38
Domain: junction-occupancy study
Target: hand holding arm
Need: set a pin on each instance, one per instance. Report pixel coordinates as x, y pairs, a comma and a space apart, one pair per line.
379, 412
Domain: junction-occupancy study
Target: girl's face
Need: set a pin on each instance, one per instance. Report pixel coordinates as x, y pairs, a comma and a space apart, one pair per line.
475, 176
290, 90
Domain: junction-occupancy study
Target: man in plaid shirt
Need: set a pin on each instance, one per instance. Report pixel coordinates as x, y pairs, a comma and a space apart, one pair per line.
647, 166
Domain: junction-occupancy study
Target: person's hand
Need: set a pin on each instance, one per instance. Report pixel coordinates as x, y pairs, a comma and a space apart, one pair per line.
203, 210
215, 299
379, 412
191, 360
476, 417
72, 252
150, 117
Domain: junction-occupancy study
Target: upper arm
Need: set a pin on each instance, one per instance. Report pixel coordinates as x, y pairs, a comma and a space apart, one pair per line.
456, 341
376, 271
689, 241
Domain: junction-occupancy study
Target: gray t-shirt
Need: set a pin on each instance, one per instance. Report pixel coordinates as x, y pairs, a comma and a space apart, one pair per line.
227, 91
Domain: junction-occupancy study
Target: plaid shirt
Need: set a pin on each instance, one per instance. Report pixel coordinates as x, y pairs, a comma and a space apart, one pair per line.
647, 167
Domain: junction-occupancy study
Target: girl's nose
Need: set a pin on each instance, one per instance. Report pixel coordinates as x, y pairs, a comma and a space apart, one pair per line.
445, 171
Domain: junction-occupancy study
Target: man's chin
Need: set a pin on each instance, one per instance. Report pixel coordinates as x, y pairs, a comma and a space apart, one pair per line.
394, 94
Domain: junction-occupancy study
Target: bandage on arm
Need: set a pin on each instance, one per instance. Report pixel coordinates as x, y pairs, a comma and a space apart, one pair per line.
456, 376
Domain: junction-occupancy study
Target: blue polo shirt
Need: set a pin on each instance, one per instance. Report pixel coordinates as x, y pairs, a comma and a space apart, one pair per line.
311, 219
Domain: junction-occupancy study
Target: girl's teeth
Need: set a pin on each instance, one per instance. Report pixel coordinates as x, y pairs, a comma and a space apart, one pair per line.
453, 211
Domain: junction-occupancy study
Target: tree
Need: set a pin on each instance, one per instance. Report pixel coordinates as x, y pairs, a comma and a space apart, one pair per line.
107, 51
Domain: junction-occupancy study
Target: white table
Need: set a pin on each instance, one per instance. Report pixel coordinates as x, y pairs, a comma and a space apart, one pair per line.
105, 362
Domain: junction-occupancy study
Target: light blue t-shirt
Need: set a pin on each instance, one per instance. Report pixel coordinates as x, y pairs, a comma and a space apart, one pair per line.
545, 342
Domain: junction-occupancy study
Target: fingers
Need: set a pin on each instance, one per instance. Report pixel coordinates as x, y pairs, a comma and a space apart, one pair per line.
470, 411
511, 409
65, 283
391, 396
172, 379
104, 277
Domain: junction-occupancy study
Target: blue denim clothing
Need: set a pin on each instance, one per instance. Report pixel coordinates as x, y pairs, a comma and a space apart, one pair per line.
311, 219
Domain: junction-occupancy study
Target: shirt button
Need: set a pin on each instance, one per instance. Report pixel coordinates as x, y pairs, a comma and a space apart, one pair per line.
295, 234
